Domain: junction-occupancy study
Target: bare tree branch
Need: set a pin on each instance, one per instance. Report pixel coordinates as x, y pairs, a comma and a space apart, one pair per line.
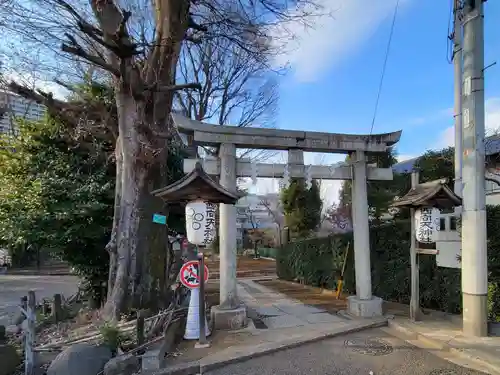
274, 212
135, 46
185, 86
236, 88
77, 50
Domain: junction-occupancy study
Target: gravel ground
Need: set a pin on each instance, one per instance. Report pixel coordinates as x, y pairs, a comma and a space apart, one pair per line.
371, 352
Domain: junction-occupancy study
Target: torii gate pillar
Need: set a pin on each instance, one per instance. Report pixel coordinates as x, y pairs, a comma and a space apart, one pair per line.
363, 303
230, 314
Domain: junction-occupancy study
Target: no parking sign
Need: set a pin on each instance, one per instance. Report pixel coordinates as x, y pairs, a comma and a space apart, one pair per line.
190, 275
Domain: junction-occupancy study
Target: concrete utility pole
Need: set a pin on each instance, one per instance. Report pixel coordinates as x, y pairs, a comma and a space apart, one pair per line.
457, 70
474, 254
414, 261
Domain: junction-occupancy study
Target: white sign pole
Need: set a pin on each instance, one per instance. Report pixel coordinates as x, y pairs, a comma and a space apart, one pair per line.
203, 329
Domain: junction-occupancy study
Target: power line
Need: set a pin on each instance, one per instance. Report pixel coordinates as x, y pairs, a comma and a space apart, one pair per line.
455, 15
450, 36
385, 65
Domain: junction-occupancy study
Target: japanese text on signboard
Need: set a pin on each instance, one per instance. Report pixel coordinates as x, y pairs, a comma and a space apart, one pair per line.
210, 223
425, 229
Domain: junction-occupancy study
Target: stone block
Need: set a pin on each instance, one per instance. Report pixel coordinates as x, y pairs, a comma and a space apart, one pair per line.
364, 308
127, 364
9, 358
229, 319
80, 359
153, 360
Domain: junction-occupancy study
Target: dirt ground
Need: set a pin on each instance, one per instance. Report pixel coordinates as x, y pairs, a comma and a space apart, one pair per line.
321, 298
246, 263
326, 299
246, 267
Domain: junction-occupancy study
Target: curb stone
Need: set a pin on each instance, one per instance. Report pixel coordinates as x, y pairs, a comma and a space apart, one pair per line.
424, 342
244, 353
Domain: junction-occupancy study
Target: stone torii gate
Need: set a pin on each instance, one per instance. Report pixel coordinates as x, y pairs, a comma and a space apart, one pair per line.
230, 313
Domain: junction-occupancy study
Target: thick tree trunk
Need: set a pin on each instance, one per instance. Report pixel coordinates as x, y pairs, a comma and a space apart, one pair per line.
112, 245
143, 95
138, 246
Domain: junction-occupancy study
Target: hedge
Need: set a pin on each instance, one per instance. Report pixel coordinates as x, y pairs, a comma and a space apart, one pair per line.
318, 262
267, 252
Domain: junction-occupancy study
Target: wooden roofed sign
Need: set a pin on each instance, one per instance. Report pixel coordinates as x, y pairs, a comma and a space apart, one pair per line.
197, 185
433, 193
428, 199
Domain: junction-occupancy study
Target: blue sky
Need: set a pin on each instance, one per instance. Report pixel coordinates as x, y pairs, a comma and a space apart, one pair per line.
336, 68
334, 81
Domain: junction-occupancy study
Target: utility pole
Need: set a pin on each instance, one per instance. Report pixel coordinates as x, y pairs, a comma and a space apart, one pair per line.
415, 314
474, 254
457, 116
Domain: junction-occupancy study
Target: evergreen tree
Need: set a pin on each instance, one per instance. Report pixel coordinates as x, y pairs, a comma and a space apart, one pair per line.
57, 192
302, 207
432, 165
380, 193
57, 196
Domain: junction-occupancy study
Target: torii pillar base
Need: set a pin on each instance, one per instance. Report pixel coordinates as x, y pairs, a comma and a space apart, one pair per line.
364, 308
229, 319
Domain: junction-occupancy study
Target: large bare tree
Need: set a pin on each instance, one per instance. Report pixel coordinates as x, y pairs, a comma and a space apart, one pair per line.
136, 45
237, 87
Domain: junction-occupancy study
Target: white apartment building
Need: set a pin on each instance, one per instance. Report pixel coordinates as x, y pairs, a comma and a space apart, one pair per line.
14, 106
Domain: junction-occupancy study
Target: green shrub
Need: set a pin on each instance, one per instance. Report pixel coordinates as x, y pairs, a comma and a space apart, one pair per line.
313, 261
318, 262
111, 336
267, 252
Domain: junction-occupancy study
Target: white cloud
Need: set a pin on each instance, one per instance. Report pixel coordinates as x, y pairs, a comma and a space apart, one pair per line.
437, 116
446, 139
404, 157
341, 30
492, 124
35, 81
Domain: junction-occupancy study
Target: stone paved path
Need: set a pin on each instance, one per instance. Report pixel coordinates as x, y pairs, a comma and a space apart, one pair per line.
275, 310
283, 322
363, 353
